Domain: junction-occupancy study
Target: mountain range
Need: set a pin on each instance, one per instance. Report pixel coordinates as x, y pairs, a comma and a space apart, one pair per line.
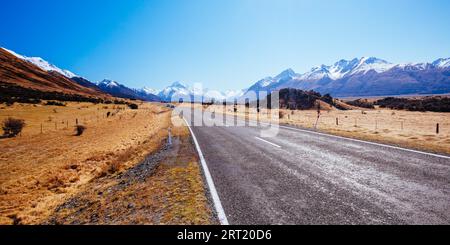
367, 76
179, 90
21, 71
37, 73
119, 90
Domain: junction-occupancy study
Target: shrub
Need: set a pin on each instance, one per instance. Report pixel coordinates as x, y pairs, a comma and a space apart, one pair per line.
55, 103
328, 99
436, 104
363, 103
12, 93
79, 129
133, 106
12, 127
114, 167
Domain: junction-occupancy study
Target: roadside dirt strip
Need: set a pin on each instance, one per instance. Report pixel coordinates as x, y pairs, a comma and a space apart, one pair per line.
166, 188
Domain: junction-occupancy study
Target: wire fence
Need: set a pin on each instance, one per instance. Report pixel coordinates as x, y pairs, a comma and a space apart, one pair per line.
67, 121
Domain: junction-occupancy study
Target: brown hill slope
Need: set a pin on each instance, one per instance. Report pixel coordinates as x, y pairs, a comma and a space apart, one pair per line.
14, 70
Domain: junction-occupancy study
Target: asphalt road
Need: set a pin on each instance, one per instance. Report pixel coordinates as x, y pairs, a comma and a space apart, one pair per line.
301, 177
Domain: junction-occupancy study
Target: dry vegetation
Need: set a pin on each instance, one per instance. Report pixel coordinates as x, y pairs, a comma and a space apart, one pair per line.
170, 191
405, 128
47, 165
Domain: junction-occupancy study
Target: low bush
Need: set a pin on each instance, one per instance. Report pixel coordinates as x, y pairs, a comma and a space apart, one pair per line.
363, 103
12, 127
79, 130
133, 106
55, 103
436, 104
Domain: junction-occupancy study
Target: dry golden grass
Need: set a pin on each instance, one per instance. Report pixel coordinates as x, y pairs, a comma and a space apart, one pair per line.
405, 128
173, 193
38, 170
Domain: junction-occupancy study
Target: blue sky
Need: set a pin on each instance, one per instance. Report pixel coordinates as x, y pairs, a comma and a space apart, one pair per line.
224, 44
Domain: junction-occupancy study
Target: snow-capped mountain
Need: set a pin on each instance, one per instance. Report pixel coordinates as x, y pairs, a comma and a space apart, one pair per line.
118, 90
43, 64
442, 63
179, 90
344, 68
106, 83
150, 90
16, 72
269, 81
367, 76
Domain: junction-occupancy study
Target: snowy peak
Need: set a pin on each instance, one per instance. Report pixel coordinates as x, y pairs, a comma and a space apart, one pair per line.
372, 60
150, 90
289, 73
442, 63
108, 83
366, 76
344, 68
180, 90
316, 73
265, 82
43, 64
178, 85
367, 64
283, 76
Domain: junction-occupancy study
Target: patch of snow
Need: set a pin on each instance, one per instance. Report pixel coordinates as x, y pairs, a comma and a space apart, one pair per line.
442, 63
108, 83
43, 64
344, 68
150, 90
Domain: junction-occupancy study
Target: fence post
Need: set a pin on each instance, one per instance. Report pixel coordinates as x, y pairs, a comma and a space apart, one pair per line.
41, 128
437, 128
337, 121
170, 136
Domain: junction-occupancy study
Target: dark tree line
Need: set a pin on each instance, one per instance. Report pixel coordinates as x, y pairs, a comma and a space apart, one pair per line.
296, 99
10, 94
436, 104
363, 103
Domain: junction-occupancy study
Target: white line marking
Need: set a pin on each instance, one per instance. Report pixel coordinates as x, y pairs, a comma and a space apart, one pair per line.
263, 140
212, 189
367, 142
360, 141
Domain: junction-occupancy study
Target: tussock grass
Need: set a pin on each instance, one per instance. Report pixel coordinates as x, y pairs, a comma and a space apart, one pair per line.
38, 171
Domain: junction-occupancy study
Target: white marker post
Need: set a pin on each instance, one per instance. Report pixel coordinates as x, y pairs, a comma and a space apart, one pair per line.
170, 136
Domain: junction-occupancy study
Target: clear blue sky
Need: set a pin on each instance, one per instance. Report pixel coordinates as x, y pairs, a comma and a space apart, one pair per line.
224, 44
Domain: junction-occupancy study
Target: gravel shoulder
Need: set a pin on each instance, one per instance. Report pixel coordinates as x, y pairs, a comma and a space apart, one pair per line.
165, 188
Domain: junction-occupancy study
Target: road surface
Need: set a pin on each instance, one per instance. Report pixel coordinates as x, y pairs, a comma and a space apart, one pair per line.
301, 177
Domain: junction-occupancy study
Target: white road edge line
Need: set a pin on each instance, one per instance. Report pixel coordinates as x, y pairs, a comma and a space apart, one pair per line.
366, 142
212, 189
356, 140
359, 141
268, 142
